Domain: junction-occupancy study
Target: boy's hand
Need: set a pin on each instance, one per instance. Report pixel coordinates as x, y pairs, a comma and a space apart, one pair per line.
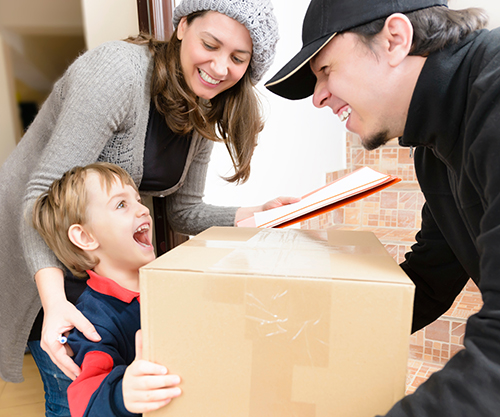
147, 385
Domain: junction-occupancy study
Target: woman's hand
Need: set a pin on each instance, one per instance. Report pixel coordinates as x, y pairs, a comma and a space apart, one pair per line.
59, 320
60, 316
278, 202
245, 212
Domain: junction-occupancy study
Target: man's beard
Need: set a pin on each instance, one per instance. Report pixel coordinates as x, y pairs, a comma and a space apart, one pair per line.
376, 141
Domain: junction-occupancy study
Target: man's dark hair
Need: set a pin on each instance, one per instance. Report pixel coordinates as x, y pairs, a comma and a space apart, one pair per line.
434, 28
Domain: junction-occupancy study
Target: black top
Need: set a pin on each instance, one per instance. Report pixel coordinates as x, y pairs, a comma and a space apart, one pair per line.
165, 154
453, 121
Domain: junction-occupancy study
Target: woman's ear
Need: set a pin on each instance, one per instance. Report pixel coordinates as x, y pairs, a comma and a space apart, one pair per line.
81, 238
181, 28
397, 38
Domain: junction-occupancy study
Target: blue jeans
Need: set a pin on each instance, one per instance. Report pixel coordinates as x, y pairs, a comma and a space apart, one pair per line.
55, 383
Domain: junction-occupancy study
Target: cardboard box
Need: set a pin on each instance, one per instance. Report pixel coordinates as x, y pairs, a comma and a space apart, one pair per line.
279, 322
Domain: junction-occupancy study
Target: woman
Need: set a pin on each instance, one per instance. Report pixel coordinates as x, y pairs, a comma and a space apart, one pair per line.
155, 109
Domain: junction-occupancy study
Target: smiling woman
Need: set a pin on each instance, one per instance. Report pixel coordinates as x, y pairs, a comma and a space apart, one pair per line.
215, 53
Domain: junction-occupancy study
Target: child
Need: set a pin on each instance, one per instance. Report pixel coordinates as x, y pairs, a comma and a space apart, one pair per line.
93, 220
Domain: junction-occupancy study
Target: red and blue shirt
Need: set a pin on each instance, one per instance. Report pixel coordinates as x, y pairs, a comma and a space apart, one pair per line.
115, 313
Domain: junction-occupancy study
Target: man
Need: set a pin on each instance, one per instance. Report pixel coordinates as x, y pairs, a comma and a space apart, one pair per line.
416, 70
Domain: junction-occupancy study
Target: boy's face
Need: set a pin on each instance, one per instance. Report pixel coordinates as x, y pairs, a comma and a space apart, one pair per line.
120, 224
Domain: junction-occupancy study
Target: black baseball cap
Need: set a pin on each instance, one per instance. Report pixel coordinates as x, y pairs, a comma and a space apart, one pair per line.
323, 20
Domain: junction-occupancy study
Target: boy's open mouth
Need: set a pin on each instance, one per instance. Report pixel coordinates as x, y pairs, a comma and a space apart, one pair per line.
141, 235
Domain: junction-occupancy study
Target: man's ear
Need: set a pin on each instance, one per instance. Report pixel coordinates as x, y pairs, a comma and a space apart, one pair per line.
181, 28
397, 38
81, 238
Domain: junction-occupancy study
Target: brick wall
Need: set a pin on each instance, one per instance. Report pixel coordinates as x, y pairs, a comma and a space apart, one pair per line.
394, 215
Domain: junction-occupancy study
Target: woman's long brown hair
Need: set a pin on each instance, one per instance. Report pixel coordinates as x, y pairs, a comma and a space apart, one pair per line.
232, 116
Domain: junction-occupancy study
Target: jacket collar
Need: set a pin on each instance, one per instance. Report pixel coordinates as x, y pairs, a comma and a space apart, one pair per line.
109, 287
440, 94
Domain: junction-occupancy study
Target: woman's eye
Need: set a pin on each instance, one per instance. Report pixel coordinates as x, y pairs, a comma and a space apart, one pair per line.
209, 47
238, 60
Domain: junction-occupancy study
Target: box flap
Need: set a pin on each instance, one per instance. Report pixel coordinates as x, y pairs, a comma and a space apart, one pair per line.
318, 254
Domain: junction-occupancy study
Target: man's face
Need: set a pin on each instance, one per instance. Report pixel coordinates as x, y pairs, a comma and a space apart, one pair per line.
357, 84
120, 224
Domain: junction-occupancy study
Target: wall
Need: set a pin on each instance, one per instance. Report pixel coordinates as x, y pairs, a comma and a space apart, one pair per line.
35, 37
9, 121
38, 41
299, 144
109, 20
492, 7
47, 16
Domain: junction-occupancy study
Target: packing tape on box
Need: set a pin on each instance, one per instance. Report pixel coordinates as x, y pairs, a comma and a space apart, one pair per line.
287, 323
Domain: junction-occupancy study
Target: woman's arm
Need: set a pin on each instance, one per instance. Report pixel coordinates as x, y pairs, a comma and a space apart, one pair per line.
85, 109
60, 316
188, 214
186, 211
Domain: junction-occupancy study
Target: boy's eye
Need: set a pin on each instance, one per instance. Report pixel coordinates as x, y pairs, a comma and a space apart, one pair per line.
121, 204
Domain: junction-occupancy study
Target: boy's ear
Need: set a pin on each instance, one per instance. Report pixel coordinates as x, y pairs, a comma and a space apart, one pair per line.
81, 238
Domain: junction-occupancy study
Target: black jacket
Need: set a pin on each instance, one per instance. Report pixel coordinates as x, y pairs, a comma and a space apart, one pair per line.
454, 124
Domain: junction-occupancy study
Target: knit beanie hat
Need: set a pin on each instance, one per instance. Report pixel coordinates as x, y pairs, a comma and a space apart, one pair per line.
256, 15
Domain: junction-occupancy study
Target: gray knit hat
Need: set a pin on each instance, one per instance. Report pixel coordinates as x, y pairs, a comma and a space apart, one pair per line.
258, 18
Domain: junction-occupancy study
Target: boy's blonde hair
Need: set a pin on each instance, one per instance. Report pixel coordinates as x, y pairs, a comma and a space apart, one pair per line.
64, 204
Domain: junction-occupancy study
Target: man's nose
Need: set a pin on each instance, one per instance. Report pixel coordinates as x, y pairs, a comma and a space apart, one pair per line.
321, 94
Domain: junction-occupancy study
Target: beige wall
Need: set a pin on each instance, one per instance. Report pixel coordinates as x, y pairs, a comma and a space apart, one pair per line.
492, 7
109, 20
43, 39
9, 121
41, 16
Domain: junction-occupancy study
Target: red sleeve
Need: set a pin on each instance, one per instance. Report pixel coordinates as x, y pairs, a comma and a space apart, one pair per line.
95, 367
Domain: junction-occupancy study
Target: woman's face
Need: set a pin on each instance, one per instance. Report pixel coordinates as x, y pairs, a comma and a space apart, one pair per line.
215, 53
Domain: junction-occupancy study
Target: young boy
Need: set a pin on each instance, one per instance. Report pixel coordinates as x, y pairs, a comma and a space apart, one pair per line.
93, 220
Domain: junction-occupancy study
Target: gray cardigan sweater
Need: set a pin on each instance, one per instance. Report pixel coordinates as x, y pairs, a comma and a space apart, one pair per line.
98, 111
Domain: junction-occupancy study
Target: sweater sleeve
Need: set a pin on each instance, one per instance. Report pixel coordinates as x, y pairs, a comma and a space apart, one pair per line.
186, 211
86, 106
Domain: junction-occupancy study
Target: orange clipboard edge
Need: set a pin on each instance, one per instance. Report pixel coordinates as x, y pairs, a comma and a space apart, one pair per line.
338, 204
